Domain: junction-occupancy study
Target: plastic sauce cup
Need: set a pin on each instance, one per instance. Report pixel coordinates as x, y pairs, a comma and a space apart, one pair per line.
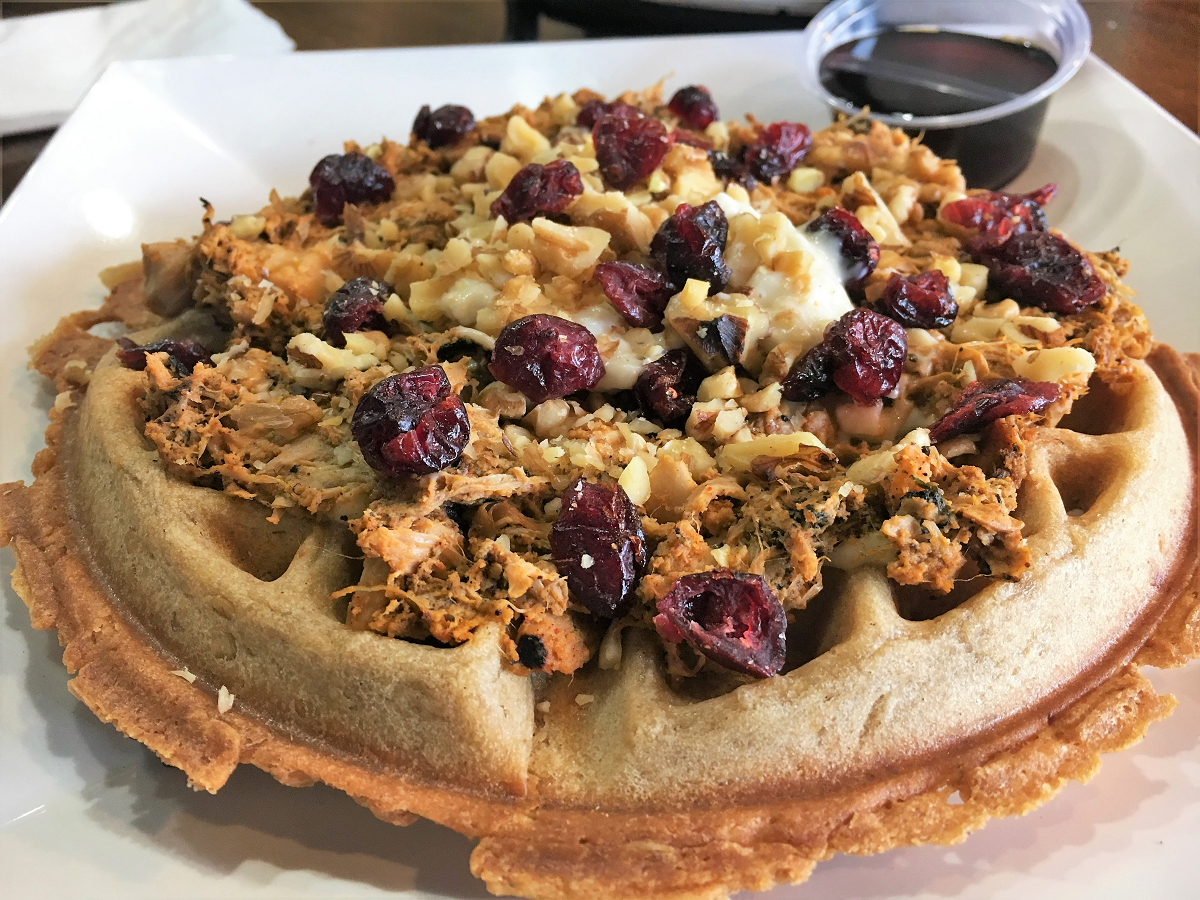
994, 144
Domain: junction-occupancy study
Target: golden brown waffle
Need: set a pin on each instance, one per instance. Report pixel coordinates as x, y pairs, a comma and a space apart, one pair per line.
620, 782
450, 735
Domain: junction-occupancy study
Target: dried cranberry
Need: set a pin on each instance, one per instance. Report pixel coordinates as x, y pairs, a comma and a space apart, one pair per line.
411, 424
356, 306
733, 618
998, 215
690, 245
869, 351
862, 353
710, 218
598, 543
444, 126
639, 293
538, 190
666, 388
811, 376
590, 113
858, 251
182, 354
731, 169
629, 146
344, 178
919, 301
778, 149
594, 110
983, 402
546, 357
1044, 194
695, 106
1042, 269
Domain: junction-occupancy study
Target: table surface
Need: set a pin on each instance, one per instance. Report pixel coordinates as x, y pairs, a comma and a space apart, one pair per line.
1153, 43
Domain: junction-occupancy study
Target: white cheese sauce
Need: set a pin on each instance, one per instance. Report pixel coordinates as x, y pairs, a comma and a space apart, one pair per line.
635, 348
801, 318
796, 317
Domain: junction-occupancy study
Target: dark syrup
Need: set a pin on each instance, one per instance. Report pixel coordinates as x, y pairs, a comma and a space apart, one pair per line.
935, 73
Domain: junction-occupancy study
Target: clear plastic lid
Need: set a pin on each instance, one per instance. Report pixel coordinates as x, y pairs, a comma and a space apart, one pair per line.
1060, 27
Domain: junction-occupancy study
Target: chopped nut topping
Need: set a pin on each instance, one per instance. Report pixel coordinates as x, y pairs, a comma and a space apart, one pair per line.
751, 456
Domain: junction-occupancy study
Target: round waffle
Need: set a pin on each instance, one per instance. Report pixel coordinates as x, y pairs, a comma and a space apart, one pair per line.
903, 715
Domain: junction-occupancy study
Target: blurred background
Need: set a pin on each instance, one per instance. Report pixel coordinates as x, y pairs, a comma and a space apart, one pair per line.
1153, 43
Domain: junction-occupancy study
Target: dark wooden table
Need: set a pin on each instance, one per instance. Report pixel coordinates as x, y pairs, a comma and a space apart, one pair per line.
1153, 43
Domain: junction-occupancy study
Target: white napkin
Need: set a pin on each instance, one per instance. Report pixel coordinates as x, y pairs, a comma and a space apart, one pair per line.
48, 62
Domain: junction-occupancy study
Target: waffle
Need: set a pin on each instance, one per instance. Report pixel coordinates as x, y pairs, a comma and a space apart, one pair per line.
217, 635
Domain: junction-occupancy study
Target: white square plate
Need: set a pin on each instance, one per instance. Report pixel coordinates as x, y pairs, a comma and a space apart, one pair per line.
87, 812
